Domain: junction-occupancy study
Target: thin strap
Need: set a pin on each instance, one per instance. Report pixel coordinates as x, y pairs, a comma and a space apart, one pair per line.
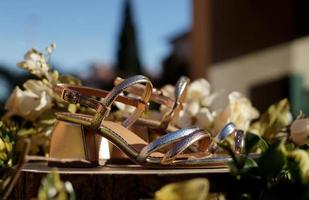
115, 92
180, 96
182, 145
157, 96
79, 94
165, 140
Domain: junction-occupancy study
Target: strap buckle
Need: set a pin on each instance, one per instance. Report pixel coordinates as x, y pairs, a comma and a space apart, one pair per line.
70, 96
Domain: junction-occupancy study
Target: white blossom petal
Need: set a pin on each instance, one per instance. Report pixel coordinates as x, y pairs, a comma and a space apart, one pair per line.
37, 87
33, 55
126, 109
241, 110
169, 91
206, 101
192, 107
183, 120
198, 89
44, 101
204, 118
35, 62
27, 103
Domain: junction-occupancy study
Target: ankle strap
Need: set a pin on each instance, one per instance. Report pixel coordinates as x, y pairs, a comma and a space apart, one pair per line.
79, 94
116, 91
175, 106
156, 95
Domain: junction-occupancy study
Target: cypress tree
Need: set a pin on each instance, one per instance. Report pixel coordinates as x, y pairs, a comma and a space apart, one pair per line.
128, 62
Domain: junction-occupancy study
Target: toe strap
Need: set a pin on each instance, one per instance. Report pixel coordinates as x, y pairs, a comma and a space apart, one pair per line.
182, 139
182, 145
165, 140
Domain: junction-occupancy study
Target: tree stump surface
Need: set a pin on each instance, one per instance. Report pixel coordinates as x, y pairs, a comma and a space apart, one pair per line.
117, 182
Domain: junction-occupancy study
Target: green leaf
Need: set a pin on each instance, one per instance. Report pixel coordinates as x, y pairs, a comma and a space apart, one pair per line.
251, 140
298, 164
7, 143
53, 188
197, 188
249, 163
272, 160
263, 145
273, 120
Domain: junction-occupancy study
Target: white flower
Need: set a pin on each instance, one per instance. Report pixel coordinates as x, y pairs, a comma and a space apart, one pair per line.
198, 89
239, 111
168, 91
125, 108
192, 107
195, 110
242, 111
31, 102
183, 120
35, 62
300, 131
204, 118
37, 87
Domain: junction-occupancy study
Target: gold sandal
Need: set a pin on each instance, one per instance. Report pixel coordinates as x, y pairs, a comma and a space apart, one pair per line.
138, 150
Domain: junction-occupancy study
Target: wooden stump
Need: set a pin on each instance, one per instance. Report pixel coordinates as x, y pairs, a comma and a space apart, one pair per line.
117, 182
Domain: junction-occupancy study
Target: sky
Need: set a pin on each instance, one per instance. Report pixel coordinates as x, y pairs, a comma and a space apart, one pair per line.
87, 31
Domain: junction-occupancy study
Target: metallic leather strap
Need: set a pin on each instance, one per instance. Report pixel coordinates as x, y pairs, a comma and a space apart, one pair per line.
165, 140
239, 140
182, 145
115, 92
180, 96
79, 94
227, 130
157, 96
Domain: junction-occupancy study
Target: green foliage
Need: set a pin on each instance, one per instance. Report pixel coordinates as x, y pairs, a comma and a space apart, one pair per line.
52, 188
279, 171
7, 137
273, 120
195, 189
253, 141
298, 163
33, 121
267, 167
272, 161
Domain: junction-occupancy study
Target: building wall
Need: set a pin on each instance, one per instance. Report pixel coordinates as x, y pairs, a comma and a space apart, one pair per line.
242, 73
223, 30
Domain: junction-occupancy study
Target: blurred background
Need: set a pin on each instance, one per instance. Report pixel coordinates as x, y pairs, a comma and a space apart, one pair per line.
259, 48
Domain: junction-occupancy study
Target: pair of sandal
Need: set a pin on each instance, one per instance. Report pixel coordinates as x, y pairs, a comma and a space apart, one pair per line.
76, 137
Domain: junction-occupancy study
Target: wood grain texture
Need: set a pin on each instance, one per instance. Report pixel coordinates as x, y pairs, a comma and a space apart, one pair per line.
116, 182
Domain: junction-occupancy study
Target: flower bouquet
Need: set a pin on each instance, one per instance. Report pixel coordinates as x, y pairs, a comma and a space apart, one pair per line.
280, 140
